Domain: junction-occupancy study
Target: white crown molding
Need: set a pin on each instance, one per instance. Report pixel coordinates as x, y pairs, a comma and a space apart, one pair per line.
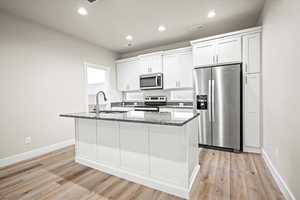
235, 33
278, 179
34, 153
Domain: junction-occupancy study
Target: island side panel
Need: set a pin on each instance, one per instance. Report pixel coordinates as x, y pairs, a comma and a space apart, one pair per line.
108, 142
86, 131
134, 148
168, 154
193, 151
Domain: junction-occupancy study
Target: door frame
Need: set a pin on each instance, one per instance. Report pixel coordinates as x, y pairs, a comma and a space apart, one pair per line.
85, 81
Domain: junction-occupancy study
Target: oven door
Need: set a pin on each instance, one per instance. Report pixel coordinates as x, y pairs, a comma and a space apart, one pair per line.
148, 82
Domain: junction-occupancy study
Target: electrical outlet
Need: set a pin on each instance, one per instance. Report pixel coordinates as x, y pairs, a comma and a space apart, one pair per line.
27, 140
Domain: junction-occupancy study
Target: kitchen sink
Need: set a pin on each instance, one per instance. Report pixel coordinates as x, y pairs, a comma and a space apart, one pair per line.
109, 111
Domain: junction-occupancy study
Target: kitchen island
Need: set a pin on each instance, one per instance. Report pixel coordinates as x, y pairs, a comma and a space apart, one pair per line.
155, 149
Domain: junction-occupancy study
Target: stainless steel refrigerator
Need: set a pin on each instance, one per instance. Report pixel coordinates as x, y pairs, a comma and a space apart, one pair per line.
218, 99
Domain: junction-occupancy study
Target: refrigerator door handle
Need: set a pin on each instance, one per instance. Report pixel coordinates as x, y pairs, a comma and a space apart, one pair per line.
213, 99
209, 100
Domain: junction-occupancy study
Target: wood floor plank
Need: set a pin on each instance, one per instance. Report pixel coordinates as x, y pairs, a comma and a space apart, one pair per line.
56, 176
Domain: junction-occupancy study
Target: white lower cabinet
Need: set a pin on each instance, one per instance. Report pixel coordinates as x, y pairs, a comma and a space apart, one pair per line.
252, 101
159, 156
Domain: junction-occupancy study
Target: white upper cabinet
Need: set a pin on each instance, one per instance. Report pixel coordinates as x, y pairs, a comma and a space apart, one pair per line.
252, 53
218, 51
128, 72
170, 71
204, 53
186, 69
151, 63
229, 50
178, 66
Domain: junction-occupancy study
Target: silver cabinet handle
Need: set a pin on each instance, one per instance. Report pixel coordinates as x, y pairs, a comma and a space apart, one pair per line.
246, 66
217, 58
209, 100
246, 80
214, 60
213, 99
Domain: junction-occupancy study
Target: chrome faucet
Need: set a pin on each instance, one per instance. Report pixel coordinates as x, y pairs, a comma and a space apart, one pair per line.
97, 100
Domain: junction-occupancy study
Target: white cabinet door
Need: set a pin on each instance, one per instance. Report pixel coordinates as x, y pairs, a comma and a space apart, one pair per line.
151, 63
133, 75
122, 79
229, 50
252, 111
171, 70
185, 74
128, 73
156, 64
252, 53
177, 69
204, 54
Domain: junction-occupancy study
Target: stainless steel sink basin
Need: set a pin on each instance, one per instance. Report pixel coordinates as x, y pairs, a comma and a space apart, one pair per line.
109, 111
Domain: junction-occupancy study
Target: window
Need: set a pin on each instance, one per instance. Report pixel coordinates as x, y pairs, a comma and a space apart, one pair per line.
95, 76
134, 96
182, 95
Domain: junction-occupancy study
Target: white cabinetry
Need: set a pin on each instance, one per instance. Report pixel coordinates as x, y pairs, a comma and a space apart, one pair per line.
217, 51
252, 91
240, 46
252, 53
158, 156
229, 50
178, 69
151, 63
128, 72
252, 112
204, 53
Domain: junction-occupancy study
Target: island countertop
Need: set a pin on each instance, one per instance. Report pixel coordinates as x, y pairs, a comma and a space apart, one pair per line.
175, 118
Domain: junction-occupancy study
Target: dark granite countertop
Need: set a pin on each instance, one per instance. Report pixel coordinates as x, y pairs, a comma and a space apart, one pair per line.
161, 118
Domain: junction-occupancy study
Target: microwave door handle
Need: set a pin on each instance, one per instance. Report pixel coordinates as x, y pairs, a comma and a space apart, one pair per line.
156, 80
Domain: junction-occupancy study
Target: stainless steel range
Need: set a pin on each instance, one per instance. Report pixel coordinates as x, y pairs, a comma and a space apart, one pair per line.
152, 103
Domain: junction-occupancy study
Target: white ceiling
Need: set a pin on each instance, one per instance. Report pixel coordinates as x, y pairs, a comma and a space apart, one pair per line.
109, 21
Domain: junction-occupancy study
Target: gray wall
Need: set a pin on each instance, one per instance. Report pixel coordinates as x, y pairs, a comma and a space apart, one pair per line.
41, 76
281, 93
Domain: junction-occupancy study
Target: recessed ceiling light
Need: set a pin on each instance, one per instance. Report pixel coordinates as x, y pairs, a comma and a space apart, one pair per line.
82, 11
161, 28
211, 14
129, 38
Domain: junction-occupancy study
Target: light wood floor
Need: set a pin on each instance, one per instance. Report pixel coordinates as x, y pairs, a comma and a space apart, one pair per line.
56, 176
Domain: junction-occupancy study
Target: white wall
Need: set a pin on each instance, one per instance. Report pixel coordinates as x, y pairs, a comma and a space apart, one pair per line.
41, 76
281, 92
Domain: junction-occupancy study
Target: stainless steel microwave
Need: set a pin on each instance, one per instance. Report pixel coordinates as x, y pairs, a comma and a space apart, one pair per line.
151, 81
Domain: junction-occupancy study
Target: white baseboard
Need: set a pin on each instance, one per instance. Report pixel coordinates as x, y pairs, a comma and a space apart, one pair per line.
251, 150
143, 180
278, 179
34, 153
194, 176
